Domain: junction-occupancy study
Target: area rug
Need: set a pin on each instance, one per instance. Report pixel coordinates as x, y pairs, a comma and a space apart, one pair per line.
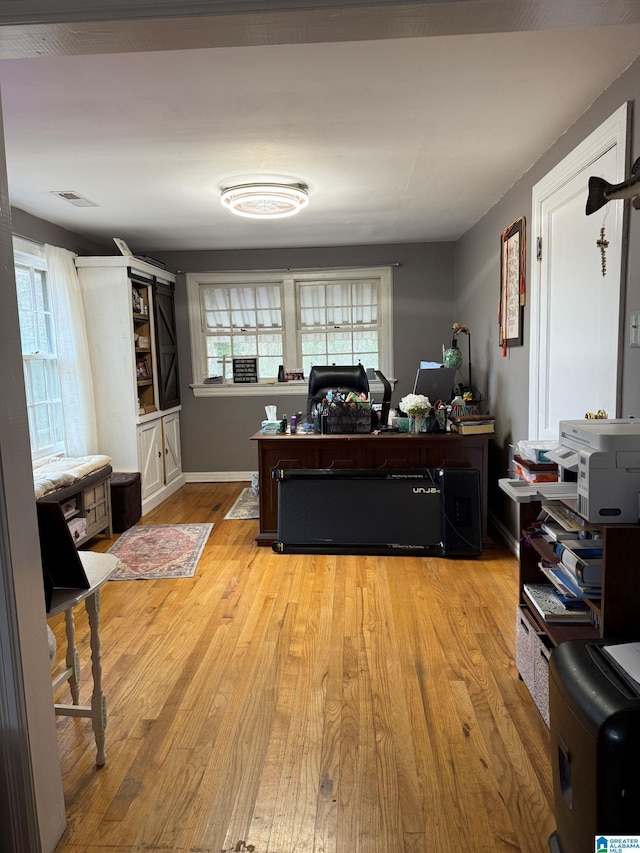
246, 506
156, 552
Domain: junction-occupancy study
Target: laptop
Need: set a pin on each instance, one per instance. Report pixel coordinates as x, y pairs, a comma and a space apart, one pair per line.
436, 383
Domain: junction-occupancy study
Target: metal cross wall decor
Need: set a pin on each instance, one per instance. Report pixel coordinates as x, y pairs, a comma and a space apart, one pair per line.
603, 244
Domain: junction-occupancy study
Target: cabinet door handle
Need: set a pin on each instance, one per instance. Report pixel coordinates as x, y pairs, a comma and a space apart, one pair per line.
159, 454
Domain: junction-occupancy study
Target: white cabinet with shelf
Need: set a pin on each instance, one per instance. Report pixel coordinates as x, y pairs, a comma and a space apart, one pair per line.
171, 447
127, 366
159, 453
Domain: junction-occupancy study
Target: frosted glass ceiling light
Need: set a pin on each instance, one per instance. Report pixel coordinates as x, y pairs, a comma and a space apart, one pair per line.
265, 200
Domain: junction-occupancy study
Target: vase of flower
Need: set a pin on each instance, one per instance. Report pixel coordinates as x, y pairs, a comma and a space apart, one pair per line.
416, 406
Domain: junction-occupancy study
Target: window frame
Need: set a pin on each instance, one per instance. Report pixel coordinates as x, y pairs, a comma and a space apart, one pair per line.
288, 280
31, 255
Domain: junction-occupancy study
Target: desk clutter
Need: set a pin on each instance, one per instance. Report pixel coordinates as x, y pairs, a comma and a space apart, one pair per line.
531, 462
473, 424
338, 413
342, 414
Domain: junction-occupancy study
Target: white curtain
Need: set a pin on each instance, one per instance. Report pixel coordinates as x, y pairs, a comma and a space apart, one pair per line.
76, 382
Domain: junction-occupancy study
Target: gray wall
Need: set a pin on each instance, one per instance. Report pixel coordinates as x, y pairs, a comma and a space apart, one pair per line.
215, 431
40, 231
477, 289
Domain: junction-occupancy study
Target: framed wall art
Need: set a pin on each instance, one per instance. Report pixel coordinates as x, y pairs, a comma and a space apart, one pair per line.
512, 284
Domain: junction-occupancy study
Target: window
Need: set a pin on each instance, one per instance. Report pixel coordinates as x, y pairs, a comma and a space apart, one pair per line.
294, 319
338, 322
39, 355
244, 321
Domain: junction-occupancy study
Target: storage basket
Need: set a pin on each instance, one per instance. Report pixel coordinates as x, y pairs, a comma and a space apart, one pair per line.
348, 418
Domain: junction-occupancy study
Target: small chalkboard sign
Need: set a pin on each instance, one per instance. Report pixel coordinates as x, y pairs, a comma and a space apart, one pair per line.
245, 369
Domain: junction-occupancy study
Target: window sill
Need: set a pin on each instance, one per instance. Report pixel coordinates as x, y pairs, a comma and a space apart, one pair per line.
259, 389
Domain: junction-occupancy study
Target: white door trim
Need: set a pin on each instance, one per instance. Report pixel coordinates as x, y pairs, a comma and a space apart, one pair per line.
612, 133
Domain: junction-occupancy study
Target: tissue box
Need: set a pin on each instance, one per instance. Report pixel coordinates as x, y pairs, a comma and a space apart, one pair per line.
271, 427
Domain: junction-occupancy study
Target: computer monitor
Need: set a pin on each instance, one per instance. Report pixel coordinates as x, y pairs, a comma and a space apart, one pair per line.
436, 383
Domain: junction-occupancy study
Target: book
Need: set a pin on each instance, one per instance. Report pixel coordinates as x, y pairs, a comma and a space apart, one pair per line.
587, 571
470, 419
582, 549
569, 520
595, 589
564, 517
567, 584
477, 428
544, 600
555, 532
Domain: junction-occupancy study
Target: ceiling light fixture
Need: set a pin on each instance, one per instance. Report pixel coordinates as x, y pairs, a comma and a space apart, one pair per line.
265, 200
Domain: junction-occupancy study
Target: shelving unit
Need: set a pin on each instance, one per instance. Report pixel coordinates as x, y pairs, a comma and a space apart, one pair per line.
86, 506
142, 337
615, 613
134, 368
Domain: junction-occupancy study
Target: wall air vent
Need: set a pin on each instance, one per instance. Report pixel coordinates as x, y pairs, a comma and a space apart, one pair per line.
74, 198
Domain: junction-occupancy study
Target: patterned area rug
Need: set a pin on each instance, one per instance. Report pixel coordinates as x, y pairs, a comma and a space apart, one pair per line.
156, 552
247, 506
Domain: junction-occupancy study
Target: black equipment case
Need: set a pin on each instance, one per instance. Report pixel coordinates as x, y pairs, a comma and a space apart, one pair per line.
415, 512
594, 714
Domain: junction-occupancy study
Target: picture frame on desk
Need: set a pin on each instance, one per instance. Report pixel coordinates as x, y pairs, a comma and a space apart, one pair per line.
142, 369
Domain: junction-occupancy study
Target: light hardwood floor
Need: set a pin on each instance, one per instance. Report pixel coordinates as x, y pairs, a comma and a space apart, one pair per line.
307, 704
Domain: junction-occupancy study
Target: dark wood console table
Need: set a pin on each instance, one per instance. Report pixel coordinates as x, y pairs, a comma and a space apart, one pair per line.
370, 451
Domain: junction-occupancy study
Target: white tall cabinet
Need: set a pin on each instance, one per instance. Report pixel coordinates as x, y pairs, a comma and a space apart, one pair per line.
127, 365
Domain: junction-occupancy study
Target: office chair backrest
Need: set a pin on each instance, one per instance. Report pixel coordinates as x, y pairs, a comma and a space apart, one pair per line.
323, 378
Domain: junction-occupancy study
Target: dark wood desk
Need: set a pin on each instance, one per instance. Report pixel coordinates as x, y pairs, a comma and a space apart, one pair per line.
383, 451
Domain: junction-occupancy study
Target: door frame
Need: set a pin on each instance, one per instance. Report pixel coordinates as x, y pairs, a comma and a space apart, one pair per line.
614, 132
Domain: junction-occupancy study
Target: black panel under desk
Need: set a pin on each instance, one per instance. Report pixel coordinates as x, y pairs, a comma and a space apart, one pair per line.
418, 512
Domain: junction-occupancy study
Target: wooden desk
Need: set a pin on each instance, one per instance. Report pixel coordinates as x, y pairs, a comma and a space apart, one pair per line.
98, 569
369, 451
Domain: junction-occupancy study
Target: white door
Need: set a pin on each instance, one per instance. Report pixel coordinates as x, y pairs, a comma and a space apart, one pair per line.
575, 310
150, 457
172, 461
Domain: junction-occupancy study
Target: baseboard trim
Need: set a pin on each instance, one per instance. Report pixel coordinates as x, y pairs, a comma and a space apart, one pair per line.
162, 494
218, 476
512, 544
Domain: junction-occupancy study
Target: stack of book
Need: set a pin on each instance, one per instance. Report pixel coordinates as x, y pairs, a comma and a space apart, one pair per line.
553, 607
473, 424
535, 472
574, 573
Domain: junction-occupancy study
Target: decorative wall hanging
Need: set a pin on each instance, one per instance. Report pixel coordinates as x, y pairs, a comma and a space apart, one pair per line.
603, 244
512, 285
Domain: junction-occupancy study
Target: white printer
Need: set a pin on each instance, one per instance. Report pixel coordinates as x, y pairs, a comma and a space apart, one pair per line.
606, 456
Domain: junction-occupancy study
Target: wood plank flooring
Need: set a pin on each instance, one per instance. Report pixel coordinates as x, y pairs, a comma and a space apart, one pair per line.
306, 704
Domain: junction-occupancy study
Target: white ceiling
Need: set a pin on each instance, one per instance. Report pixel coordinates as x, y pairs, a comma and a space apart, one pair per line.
398, 139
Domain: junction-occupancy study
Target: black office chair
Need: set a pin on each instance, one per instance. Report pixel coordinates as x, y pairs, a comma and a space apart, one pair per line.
331, 377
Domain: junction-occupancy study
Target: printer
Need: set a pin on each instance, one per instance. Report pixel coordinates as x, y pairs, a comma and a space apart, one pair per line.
606, 456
